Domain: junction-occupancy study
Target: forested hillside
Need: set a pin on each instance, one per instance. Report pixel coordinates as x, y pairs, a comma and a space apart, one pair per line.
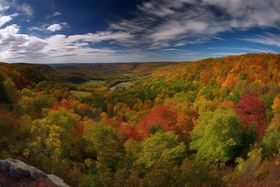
214, 122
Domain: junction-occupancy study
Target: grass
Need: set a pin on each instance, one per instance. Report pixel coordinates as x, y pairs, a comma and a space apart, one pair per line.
122, 85
94, 83
81, 93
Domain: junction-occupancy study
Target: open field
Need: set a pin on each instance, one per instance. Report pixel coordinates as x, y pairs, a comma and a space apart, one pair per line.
80, 93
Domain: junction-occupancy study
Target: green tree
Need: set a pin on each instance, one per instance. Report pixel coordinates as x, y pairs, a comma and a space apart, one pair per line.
161, 148
201, 104
234, 96
132, 149
271, 140
104, 144
217, 135
54, 138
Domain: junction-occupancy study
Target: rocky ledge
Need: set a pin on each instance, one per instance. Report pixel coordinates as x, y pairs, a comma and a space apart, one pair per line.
15, 173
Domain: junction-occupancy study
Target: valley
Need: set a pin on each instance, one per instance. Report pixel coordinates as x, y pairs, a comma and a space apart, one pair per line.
200, 123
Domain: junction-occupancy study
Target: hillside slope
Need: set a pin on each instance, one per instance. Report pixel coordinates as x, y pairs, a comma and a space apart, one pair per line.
27, 74
110, 67
260, 67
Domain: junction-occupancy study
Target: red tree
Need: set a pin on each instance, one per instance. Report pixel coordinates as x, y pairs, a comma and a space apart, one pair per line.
252, 111
62, 104
79, 128
128, 132
160, 117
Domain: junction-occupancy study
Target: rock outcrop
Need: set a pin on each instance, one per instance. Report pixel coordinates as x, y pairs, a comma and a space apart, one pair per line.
17, 173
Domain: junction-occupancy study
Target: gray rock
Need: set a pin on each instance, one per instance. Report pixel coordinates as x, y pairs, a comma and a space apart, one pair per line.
18, 173
58, 181
4, 165
32, 171
18, 169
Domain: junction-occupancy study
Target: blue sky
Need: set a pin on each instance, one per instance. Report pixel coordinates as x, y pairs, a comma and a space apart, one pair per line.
95, 31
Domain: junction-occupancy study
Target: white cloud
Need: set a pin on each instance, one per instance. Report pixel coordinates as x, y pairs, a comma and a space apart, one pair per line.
175, 28
155, 9
9, 30
25, 9
268, 39
167, 23
16, 5
60, 45
4, 20
17, 47
3, 7
56, 13
54, 27
36, 28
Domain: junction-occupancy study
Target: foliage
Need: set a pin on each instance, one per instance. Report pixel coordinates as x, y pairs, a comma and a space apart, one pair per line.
161, 118
252, 111
247, 170
103, 143
164, 124
53, 138
271, 139
161, 148
197, 173
276, 105
217, 135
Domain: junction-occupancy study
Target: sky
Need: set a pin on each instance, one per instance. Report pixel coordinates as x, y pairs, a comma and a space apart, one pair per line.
107, 31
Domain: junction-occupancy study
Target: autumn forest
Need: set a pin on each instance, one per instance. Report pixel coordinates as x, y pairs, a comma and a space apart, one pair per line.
214, 122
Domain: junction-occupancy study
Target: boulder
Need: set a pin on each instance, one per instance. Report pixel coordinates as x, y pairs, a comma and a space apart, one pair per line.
57, 180
20, 170
4, 165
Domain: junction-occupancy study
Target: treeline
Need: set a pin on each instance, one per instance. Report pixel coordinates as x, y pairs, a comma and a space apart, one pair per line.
215, 122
